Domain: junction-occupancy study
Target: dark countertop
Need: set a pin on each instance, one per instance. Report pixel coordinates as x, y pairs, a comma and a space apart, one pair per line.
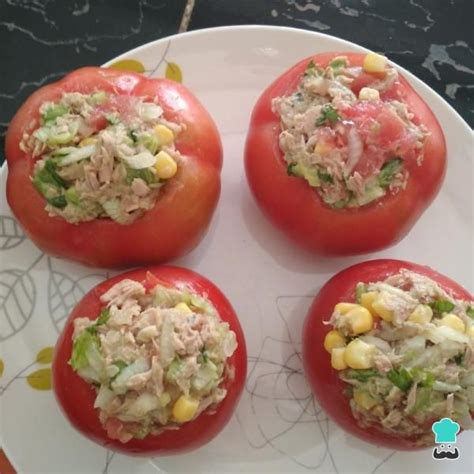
43, 39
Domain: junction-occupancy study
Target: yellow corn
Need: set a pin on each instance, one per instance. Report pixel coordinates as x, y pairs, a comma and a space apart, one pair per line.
453, 322
337, 358
334, 339
381, 308
322, 148
185, 408
183, 307
343, 308
364, 400
359, 354
374, 62
422, 314
165, 135
366, 300
470, 331
367, 93
359, 319
165, 166
87, 141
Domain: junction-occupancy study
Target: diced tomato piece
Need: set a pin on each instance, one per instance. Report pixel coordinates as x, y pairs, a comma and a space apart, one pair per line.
364, 79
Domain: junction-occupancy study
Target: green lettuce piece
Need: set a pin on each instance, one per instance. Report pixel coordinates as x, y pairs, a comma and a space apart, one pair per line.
84, 344
174, 369
58, 201
54, 111
388, 171
360, 289
362, 375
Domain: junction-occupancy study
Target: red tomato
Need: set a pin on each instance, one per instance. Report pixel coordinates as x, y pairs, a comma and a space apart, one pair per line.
76, 397
183, 210
297, 209
328, 388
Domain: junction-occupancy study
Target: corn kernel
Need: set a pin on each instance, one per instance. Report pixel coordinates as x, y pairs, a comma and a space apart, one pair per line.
453, 321
165, 166
360, 320
364, 400
334, 339
165, 135
374, 62
183, 307
343, 308
322, 148
87, 141
367, 93
366, 300
337, 358
185, 408
359, 355
422, 314
381, 309
470, 331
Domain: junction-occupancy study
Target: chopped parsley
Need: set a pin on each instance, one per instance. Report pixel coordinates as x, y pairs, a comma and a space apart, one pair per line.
442, 306
400, 378
328, 115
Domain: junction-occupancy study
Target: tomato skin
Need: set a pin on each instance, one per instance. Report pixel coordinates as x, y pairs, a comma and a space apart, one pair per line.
183, 210
297, 210
323, 379
76, 397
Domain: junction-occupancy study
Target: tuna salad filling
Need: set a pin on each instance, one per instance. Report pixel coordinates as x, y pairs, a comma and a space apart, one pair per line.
405, 351
353, 149
156, 359
101, 155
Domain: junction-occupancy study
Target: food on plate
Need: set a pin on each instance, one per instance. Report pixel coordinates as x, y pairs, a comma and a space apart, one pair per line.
104, 158
388, 350
151, 362
343, 155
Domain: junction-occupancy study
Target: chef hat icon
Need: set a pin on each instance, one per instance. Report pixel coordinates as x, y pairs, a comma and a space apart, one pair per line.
445, 430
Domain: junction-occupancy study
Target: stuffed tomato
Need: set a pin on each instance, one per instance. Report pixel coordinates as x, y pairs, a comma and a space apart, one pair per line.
342, 154
387, 349
151, 362
112, 168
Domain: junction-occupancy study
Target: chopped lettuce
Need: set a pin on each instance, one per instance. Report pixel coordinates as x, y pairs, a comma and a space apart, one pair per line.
360, 289
48, 176
146, 174
388, 171
338, 63
98, 98
58, 201
53, 112
361, 375
72, 196
206, 378
174, 369
82, 347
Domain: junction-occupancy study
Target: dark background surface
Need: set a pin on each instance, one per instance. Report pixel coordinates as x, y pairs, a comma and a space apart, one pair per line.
41, 40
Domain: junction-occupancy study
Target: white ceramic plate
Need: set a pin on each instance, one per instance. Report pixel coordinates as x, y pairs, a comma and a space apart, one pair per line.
277, 426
